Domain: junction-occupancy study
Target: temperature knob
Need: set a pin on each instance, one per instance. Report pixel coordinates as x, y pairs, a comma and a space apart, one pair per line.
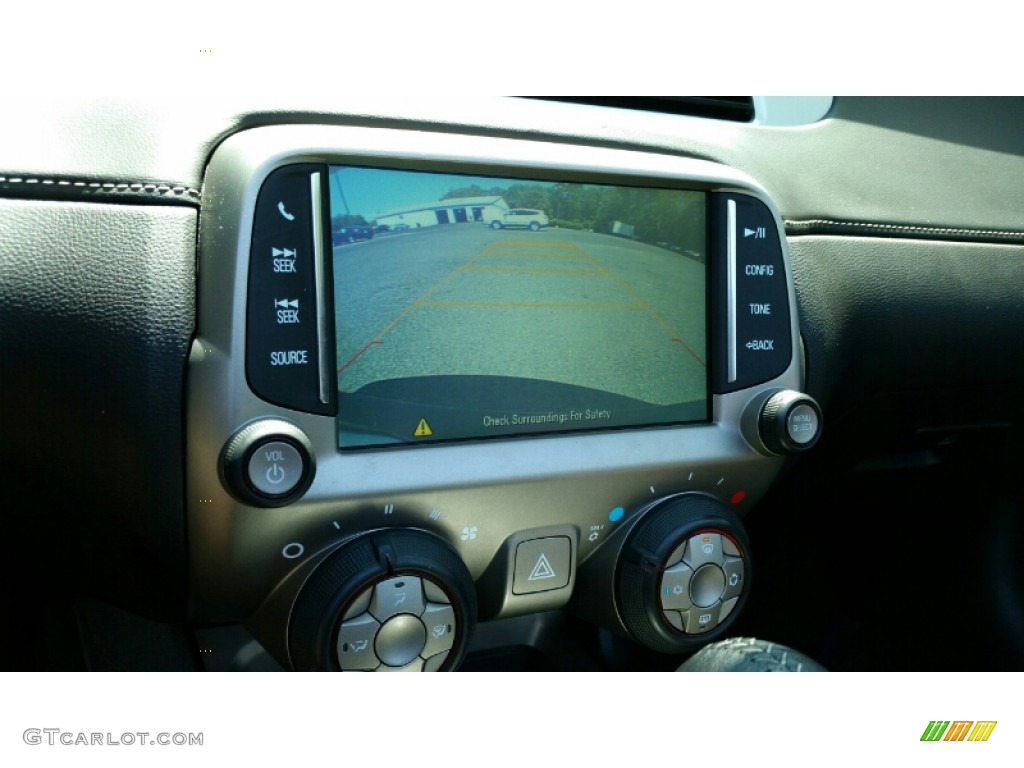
683, 574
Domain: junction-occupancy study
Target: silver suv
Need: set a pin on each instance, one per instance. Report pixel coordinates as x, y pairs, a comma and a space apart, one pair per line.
528, 218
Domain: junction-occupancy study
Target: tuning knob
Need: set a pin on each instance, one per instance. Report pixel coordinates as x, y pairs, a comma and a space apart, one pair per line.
683, 574
391, 600
788, 422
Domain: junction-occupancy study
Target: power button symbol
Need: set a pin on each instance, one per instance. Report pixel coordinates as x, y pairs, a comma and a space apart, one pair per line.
268, 463
275, 468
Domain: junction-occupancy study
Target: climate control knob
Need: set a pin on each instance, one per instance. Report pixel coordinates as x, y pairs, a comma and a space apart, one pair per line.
684, 574
388, 601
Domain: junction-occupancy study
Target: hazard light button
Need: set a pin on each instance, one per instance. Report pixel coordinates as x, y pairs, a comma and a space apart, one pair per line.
542, 565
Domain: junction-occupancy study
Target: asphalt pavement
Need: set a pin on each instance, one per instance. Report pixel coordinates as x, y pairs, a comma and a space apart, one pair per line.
557, 305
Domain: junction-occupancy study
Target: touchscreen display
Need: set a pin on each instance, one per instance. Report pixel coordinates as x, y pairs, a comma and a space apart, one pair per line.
477, 307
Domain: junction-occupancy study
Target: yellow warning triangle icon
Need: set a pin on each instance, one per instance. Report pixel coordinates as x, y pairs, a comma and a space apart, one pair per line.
423, 429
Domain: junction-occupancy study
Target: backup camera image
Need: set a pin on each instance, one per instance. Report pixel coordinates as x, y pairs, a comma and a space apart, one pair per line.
472, 306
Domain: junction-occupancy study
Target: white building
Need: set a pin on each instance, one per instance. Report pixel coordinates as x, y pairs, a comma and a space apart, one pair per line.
456, 210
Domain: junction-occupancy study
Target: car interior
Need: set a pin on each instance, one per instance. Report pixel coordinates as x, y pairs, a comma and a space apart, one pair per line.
308, 383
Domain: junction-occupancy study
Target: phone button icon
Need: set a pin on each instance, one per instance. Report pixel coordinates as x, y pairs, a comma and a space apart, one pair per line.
283, 212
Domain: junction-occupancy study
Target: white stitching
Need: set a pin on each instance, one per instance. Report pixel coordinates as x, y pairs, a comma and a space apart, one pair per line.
904, 227
144, 187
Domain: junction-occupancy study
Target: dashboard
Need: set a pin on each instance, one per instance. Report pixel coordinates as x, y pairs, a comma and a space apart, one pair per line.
468, 381
515, 384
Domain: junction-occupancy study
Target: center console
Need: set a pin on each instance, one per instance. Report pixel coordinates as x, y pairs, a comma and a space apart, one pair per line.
442, 380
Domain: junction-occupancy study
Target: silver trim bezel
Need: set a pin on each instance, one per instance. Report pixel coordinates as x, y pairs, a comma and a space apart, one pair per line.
730, 298
511, 484
323, 335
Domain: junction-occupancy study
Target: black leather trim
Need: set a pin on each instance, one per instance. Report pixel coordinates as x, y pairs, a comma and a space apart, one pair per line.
955, 162
97, 313
805, 227
883, 316
96, 190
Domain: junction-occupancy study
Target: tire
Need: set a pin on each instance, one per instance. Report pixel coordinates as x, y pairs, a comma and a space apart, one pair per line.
534, 226
495, 224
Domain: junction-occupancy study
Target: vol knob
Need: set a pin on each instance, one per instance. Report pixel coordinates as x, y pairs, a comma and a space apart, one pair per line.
268, 463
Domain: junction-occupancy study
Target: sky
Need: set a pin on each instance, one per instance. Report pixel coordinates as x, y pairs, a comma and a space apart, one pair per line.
371, 192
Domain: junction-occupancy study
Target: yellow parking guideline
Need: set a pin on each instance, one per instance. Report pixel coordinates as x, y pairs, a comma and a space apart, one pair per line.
531, 305
530, 243
434, 289
537, 270
527, 254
